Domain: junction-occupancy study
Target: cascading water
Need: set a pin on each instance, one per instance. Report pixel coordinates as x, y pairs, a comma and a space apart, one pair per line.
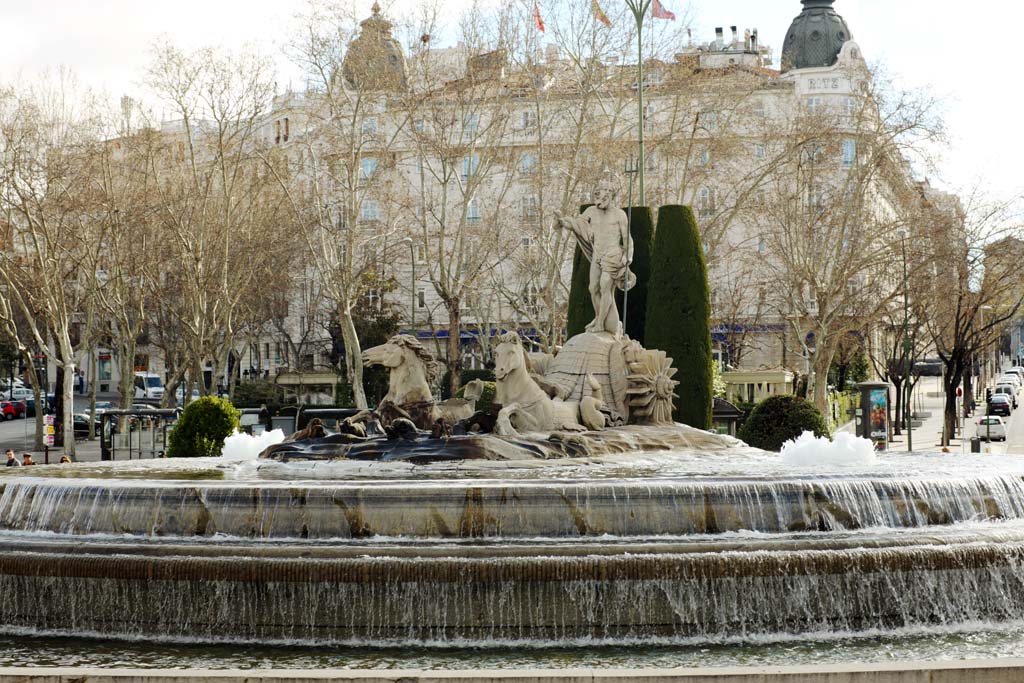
649, 548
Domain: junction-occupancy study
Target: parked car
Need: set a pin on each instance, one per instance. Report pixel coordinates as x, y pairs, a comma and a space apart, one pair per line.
12, 409
1010, 380
1007, 390
149, 385
30, 406
18, 394
81, 425
1000, 404
991, 428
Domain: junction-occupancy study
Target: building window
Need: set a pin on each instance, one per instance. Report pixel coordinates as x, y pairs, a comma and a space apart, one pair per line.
759, 109
531, 297
528, 118
277, 132
373, 299
370, 125
417, 124
473, 211
814, 105
849, 152
706, 202
367, 167
528, 164
470, 165
849, 107
471, 123
709, 119
287, 130
815, 197
421, 253
649, 112
526, 242
530, 208
277, 353
705, 158
760, 151
762, 246
369, 211
421, 298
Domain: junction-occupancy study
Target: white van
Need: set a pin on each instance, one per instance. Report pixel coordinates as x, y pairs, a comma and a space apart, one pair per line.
149, 386
991, 428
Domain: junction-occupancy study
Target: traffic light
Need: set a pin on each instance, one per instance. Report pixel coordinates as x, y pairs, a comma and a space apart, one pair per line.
988, 395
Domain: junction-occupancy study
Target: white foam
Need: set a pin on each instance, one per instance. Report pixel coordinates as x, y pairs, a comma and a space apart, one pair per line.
244, 447
846, 449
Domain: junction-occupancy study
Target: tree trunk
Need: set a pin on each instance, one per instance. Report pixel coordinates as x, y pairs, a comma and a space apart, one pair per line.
67, 389
950, 383
821, 363
39, 392
93, 369
353, 359
127, 388
454, 346
898, 422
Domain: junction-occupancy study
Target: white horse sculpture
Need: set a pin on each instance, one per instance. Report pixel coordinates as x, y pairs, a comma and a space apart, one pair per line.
412, 370
525, 405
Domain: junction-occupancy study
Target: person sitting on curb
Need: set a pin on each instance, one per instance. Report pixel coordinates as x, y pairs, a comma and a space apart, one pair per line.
11, 460
65, 460
26, 459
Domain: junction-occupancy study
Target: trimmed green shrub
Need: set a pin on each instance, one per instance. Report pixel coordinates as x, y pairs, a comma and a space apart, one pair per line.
679, 312
777, 419
202, 428
486, 399
641, 228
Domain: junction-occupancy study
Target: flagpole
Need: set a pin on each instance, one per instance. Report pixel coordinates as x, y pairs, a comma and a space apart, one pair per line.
639, 9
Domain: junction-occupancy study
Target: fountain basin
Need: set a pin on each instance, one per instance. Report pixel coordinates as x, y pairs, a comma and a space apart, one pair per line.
637, 548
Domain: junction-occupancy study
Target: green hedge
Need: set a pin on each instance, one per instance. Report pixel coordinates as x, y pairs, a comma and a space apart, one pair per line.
777, 419
641, 229
467, 376
679, 312
202, 428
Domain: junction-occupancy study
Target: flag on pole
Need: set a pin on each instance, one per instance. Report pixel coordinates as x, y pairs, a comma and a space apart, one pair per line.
599, 13
536, 15
658, 11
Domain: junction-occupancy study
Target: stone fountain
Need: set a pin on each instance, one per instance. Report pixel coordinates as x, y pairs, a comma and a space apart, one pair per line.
577, 512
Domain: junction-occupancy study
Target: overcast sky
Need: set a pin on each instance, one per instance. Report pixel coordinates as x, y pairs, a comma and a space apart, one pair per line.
964, 52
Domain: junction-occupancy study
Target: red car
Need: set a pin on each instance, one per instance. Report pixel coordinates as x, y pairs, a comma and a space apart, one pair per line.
12, 409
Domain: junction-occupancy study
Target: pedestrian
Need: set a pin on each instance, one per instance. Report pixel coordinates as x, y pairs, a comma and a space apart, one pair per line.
26, 459
11, 460
65, 460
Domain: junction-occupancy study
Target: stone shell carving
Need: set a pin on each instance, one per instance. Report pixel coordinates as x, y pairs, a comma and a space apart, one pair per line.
592, 353
651, 385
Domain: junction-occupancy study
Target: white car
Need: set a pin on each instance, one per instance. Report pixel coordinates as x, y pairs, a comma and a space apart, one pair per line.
18, 394
991, 428
1011, 380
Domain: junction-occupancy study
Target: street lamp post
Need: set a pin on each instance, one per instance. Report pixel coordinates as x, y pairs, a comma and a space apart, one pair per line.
639, 9
412, 284
908, 351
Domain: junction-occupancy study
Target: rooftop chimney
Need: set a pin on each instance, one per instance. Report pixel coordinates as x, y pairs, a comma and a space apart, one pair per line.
718, 38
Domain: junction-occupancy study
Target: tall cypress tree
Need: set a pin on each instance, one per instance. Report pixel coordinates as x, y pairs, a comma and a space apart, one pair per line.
581, 308
679, 312
641, 228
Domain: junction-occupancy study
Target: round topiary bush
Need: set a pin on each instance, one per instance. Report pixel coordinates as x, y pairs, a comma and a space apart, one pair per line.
778, 419
202, 428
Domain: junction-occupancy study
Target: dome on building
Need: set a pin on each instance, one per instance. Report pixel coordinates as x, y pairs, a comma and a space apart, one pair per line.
815, 37
375, 60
